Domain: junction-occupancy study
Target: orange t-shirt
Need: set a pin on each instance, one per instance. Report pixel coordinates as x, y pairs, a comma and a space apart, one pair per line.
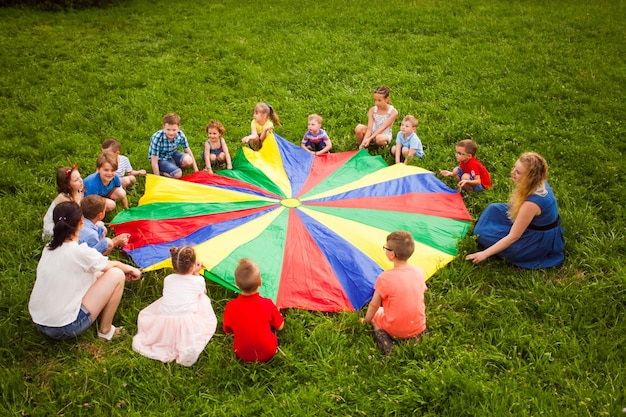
403, 313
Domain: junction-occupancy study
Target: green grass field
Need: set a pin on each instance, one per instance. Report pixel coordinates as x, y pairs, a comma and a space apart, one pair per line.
515, 76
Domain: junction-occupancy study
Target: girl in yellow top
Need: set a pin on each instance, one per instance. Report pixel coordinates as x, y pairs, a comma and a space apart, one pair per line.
261, 125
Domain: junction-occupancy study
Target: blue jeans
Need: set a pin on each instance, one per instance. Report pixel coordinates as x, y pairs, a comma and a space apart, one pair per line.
171, 166
74, 329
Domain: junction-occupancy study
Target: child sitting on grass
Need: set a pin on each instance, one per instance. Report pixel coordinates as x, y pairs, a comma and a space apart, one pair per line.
70, 188
215, 148
316, 140
471, 174
397, 308
93, 232
125, 171
178, 325
261, 125
106, 183
407, 144
380, 119
251, 318
164, 157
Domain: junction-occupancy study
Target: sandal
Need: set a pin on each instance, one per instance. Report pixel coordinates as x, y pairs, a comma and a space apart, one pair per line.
114, 333
384, 341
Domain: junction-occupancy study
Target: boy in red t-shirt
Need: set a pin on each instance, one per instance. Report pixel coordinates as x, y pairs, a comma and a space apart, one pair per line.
397, 308
472, 175
251, 318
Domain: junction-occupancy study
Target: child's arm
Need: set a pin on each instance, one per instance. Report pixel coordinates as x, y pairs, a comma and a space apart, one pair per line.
207, 157
268, 129
398, 149
137, 172
474, 182
367, 138
154, 161
326, 148
373, 307
252, 134
229, 162
447, 173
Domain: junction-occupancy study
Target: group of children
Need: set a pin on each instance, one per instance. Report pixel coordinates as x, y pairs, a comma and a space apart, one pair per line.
180, 324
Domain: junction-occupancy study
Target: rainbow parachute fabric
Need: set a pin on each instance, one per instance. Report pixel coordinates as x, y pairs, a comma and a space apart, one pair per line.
315, 225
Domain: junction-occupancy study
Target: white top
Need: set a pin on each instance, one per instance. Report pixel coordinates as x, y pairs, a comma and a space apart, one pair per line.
64, 276
48, 222
181, 293
123, 166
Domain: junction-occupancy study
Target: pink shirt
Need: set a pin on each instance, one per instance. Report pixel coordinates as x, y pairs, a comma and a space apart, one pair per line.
403, 313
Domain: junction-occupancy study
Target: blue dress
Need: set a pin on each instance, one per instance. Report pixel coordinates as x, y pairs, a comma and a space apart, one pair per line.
541, 244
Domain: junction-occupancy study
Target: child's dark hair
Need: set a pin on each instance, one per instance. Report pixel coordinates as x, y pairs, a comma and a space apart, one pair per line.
269, 110
107, 158
183, 259
402, 243
66, 217
469, 145
247, 275
63, 179
171, 119
111, 145
92, 205
214, 124
383, 89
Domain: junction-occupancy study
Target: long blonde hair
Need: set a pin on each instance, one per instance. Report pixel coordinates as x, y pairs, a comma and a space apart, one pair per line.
531, 183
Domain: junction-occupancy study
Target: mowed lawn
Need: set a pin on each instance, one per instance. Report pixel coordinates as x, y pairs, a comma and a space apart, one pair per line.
514, 76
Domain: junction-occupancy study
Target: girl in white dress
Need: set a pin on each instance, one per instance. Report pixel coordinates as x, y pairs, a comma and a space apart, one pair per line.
178, 325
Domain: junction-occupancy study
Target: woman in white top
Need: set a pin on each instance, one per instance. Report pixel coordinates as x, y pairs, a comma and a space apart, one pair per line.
75, 284
70, 188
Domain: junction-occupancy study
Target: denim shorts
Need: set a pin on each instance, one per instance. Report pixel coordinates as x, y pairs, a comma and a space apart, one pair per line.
76, 328
477, 188
171, 166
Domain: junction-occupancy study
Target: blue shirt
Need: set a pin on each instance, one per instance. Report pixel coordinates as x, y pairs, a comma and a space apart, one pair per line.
93, 236
93, 185
161, 146
412, 142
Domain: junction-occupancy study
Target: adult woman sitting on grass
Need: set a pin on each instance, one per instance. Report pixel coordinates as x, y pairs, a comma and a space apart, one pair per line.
75, 284
526, 232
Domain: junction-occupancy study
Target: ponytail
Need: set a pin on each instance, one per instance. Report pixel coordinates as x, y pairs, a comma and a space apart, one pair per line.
66, 217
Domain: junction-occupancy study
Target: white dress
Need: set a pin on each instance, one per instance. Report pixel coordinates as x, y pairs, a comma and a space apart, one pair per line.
178, 325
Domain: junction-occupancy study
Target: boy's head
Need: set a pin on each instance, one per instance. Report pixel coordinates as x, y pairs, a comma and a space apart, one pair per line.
171, 125
402, 244
111, 145
247, 276
92, 206
468, 147
315, 123
408, 125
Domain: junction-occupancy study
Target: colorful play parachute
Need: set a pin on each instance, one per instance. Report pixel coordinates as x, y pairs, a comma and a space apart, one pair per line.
315, 225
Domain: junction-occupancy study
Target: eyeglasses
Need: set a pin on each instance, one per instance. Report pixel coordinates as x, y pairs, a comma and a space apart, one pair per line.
68, 172
387, 249
462, 153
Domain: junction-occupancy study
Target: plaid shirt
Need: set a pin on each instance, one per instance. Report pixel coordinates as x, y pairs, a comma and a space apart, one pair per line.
163, 148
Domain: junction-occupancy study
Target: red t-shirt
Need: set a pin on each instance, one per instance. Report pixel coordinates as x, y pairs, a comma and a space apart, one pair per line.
251, 318
474, 167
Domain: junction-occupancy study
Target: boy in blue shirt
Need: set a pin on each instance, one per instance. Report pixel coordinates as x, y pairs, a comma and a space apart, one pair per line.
164, 157
93, 232
407, 144
105, 182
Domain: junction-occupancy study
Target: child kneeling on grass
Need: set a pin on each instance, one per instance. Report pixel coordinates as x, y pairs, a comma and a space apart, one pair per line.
401, 292
178, 325
251, 318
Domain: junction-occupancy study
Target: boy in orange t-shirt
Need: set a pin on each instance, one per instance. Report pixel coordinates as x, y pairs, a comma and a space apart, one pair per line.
397, 308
